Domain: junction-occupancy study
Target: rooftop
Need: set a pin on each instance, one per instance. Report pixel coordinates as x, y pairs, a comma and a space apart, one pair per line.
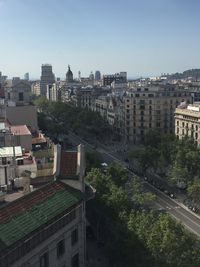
20, 130
192, 111
68, 164
21, 217
8, 151
38, 139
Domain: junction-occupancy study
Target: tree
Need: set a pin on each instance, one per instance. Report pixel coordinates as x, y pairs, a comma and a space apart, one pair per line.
166, 239
153, 139
93, 160
178, 174
85, 122
194, 189
147, 157
119, 175
138, 196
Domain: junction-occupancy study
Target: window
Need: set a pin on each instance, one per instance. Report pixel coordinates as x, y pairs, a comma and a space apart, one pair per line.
142, 107
4, 161
150, 95
21, 96
74, 236
75, 260
44, 260
60, 248
8, 96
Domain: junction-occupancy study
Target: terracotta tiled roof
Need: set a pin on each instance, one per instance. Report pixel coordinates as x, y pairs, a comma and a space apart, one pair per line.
68, 164
20, 130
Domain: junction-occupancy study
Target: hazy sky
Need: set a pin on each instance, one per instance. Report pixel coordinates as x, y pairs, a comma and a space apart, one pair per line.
142, 37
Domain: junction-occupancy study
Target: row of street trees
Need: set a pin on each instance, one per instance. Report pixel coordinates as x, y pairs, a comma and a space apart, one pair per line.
134, 235
58, 117
176, 160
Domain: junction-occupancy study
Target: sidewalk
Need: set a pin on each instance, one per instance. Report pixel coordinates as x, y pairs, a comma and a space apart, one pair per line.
180, 201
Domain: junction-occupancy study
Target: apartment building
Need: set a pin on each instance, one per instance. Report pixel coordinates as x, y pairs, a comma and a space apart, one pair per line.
84, 97
35, 88
117, 77
187, 122
22, 115
101, 105
47, 77
150, 107
47, 227
18, 91
53, 92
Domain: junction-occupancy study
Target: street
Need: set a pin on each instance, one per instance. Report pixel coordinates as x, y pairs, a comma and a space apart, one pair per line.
175, 208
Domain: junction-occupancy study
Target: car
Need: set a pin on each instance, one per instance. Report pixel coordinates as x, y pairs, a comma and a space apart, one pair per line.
172, 195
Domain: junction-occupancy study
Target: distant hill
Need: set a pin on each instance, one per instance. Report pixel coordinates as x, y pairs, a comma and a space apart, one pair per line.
195, 73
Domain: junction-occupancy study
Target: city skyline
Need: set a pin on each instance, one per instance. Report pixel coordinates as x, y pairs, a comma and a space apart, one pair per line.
144, 38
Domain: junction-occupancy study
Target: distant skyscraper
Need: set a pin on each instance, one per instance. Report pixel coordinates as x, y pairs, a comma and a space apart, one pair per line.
79, 75
47, 78
26, 76
69, 75
97, 75
91, 77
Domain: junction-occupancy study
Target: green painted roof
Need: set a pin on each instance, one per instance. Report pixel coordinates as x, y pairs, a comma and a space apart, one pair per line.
28, 220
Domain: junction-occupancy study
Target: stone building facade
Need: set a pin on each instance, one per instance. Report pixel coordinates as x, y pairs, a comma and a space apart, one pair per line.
147, 108
187, 122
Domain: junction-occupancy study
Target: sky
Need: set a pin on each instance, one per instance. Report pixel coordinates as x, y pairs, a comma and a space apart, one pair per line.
142, 37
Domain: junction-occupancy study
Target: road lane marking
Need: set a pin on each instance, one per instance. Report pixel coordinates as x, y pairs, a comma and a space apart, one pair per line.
102, 150
188, 227
198, 225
